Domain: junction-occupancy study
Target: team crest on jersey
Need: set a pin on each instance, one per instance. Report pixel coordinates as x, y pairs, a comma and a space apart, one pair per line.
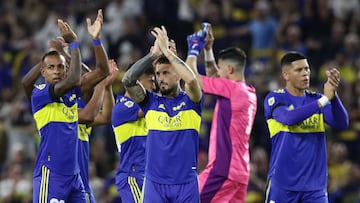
40, 86
129, 104
271, 101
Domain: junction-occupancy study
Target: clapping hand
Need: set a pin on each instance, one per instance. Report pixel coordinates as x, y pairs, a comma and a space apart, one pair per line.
57, 44
66, 32
332, 83
162, 40
95, 28
196, 41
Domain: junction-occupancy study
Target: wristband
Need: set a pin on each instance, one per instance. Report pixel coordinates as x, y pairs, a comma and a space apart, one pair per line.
323, 101
73, 45
209, 55
96, 42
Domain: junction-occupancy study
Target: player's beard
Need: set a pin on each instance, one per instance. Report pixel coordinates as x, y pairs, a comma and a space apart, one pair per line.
166, 92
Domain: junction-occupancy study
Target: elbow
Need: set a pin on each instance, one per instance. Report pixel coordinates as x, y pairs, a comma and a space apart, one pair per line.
73, 81
127, 82
342, 126
86, 119
193, 82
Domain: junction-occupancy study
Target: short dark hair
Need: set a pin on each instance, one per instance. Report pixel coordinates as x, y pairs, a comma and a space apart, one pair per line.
290, 57
235, 54
50, 53
162, 60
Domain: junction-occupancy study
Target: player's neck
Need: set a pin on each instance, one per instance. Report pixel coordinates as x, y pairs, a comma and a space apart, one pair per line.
295, 91
172, 94
237, 77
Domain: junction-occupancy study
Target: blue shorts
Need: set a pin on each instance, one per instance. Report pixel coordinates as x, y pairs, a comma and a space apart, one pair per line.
130, 188
56, 188
276, 194
88, 192
90, 197
155, 192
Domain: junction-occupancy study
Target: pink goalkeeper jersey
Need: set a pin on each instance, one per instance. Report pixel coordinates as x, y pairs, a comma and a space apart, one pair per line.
232, 122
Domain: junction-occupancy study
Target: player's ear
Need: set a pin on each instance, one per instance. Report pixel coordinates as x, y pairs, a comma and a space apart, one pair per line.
42, 69
285, 75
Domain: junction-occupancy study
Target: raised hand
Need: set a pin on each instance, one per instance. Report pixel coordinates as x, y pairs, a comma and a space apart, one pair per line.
113, 72
172, 46
155, 49
57, 44
162, 39
332, 83
66, 32
95, 28
209, 40
196, 41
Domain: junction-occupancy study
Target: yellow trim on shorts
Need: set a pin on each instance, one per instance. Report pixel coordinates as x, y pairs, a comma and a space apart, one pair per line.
267, 191
135, 190
44, 185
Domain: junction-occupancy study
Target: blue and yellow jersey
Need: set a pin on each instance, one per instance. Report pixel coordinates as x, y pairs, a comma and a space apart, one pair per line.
84, 149
173, 142
57, 122
130, 135
298, 155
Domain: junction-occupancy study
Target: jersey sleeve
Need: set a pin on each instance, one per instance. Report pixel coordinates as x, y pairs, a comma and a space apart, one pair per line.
124, 111
336, 115
40, 97
270, 103
217, 86
275, 108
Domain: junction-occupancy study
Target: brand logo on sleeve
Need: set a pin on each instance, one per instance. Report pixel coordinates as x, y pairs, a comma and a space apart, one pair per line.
129, 104
271, 101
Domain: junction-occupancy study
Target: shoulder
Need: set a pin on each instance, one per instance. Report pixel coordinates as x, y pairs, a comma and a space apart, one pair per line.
40, 92
275, 96
311, 93
277, 93
40, 87
125, 102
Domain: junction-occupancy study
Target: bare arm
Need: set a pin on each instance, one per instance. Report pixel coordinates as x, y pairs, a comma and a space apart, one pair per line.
30, 78
192, 87
88, 113
104, 115
210, 63
73, 77
102, 69
135, 90
58, 44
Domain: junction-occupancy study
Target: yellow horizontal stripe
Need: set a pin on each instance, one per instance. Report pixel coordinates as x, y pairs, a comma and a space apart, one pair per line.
130, 129
313, 124
184, 120
56, 112
84, 132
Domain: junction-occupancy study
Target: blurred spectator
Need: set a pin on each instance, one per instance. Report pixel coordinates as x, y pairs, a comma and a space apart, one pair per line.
15, 187
259, 168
